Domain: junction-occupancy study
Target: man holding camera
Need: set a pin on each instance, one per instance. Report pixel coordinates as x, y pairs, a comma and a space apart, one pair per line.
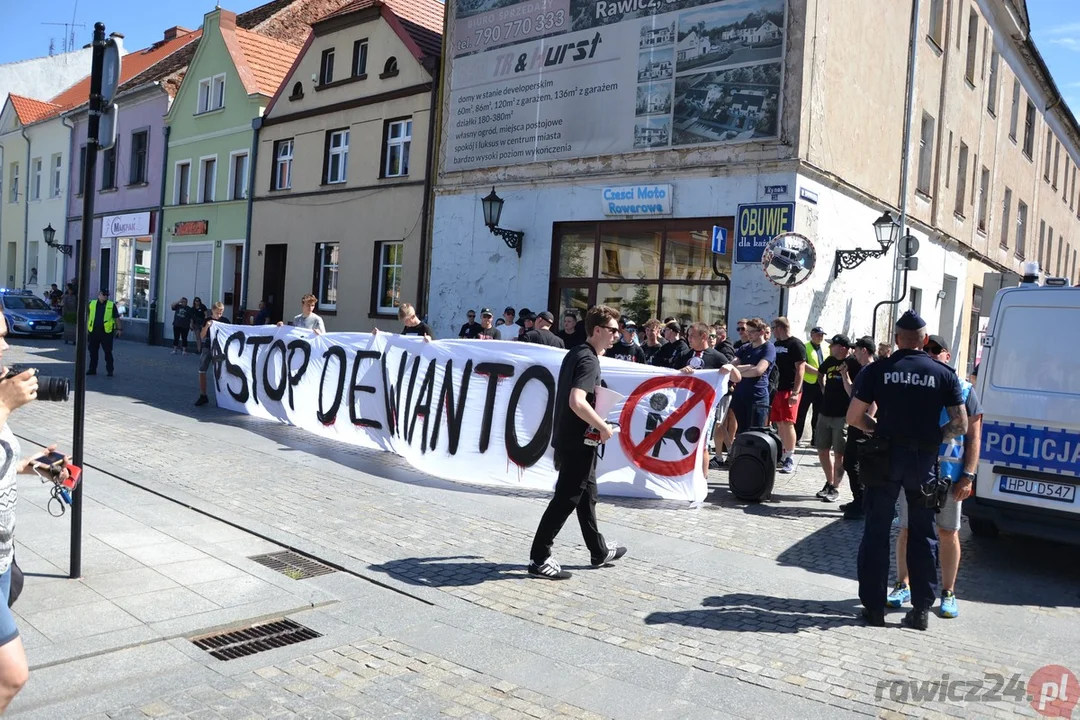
911, 389
102, 324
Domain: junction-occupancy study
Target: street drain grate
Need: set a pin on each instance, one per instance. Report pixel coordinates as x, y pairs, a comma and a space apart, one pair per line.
255, 639
293, 564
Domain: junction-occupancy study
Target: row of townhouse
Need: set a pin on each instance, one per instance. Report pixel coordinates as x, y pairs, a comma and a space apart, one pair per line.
232, 166
343, 149
992, 163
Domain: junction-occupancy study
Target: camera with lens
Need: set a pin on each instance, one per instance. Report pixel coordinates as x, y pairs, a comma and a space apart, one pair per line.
51, 389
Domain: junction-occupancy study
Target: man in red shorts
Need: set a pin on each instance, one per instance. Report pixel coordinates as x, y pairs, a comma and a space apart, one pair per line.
791, 363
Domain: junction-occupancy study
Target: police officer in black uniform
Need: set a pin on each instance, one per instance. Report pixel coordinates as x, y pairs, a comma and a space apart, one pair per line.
910, 389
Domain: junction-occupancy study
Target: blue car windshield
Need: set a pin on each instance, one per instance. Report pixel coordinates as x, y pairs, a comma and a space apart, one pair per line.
24, 302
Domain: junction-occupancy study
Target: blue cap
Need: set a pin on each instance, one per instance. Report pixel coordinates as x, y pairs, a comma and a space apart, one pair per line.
910, 321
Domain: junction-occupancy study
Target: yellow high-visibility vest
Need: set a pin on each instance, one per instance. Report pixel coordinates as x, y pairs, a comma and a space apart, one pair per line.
110, 316
810, 373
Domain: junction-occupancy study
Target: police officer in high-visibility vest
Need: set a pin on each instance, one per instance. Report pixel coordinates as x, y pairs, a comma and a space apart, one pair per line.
909, 389
102, 324
811, 393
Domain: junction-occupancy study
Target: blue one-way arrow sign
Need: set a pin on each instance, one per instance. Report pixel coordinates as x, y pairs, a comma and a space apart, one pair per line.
719, 240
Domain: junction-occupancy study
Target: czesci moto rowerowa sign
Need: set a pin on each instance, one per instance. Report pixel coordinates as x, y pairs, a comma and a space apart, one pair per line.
539, 80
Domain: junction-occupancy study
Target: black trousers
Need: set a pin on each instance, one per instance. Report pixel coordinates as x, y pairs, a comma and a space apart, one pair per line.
575, 489
179, 337
811, 398
103, 341
851, 465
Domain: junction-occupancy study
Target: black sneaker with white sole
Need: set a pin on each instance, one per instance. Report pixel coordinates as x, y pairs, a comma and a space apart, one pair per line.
823, 492
615, 551
548, 569
831, 494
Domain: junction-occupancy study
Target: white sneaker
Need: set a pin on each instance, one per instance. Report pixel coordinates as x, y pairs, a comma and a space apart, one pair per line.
548, 569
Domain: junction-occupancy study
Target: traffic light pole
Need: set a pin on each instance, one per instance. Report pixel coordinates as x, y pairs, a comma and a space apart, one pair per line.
82, 280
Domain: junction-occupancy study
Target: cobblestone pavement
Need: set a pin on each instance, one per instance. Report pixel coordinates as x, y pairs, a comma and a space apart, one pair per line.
762, 594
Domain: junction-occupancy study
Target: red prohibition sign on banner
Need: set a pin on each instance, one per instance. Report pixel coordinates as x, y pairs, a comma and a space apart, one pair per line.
701, 392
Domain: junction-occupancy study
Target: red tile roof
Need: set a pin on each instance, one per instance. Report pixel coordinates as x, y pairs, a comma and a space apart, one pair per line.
30, 111
131, 65
264, 62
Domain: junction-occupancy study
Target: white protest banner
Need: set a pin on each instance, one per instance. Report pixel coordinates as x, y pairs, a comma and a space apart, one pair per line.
470, 411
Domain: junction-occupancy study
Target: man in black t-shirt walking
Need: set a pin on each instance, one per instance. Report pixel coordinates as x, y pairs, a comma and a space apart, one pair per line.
832, 425
577, 432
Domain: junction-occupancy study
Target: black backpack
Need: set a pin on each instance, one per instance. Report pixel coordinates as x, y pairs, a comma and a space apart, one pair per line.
774, 379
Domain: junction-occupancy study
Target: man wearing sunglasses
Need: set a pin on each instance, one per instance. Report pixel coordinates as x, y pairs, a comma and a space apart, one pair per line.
471, 329
948, 519
625, 348
575, 454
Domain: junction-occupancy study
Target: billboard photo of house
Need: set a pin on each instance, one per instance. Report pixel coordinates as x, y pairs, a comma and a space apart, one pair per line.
730, 34
656, 65
656, 36
653, 99
729, 105
652, 132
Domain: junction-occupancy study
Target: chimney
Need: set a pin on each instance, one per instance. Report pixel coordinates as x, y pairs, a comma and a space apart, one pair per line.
117, 35
175, 32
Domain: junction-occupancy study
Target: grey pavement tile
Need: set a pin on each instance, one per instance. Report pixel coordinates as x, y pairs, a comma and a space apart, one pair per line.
63, 624
55, 593
204, 533
126, 583
127, 539
203, 570
159, 605
164, 553
238, 590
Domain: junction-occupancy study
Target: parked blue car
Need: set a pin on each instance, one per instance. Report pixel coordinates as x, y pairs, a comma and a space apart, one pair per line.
27, 314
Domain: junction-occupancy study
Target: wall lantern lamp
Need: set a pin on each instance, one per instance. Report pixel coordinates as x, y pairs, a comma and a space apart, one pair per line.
50, 240
493, 205
887, 231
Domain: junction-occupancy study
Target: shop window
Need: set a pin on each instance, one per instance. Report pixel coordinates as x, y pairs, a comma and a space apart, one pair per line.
645, 269
132, 281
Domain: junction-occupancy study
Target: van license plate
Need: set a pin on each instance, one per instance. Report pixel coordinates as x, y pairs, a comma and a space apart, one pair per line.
1038, 488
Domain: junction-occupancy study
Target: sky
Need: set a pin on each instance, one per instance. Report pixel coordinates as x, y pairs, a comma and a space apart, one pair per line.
1055, 26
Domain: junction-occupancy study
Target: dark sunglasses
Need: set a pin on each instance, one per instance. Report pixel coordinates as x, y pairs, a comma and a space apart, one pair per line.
935, 349
741, 328
471, 315
712, 336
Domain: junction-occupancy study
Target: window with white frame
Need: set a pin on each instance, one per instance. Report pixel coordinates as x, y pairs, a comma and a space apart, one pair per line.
140, 144
326, 275
183, 183
207, 179
238, 177
14, 184
359, 63
398, 142
35, 180
57, 175
389, 260
326, 67
211, 94
1021, 228
283, 157
337, 156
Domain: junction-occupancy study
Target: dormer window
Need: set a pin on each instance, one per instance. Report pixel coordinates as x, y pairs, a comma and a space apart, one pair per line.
297, 91
390, 69
326, 67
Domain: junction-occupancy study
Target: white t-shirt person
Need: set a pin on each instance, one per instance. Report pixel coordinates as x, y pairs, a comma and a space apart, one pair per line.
310, 321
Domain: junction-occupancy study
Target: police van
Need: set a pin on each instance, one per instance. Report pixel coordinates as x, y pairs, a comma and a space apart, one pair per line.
1029, 383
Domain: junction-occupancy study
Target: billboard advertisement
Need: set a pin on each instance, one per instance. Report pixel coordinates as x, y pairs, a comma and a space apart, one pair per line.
540, 80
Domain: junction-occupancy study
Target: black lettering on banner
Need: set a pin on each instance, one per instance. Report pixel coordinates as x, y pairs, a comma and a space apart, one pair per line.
404, 417
354, 415
454, 413
273, 392
295, 374
531, 453
256, 342
329, 417
240, 396
217, 358
391, 393
423, 406
494, 371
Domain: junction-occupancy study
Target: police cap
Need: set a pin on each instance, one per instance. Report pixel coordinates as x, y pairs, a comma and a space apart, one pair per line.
910, 321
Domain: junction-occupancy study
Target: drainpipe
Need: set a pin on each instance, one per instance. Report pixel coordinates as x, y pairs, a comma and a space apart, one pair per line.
909, 102
71, 157
425, 212
155, 276
240, 304
26, 211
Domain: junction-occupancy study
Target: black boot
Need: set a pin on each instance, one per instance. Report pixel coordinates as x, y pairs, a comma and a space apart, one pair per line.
874, 618
917, 619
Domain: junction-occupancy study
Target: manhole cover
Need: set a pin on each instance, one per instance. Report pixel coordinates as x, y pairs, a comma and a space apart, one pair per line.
293, 564
255, 639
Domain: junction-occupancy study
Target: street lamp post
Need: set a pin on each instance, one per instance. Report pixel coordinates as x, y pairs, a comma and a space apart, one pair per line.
493, 205
887, 230
50, 240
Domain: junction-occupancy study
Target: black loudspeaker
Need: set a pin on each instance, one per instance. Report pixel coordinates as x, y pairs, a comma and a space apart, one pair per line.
752, 461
